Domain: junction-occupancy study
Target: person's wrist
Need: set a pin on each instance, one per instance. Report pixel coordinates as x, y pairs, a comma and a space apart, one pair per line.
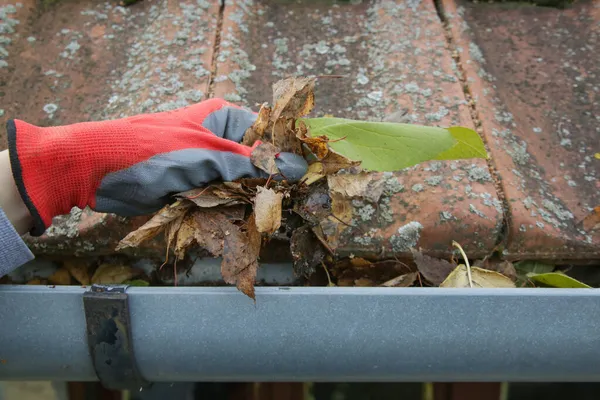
10, 200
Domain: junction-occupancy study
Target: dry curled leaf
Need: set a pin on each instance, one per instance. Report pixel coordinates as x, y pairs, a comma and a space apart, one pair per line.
405, 280
506, 268
293, 98
481, 278
155, 225
172, 230
432, 269
60, 277
260, 126
348, 271
221, 194
364, 282
240, 256
267, 209
263, 157
317, 145
79, 269
335, 162
185, 236
363, 185
592, 221
113, 274
210, 229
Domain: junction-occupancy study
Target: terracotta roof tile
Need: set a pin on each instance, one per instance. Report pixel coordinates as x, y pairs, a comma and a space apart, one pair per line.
534, 74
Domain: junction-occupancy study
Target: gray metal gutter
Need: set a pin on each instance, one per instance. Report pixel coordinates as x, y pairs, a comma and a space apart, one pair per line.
315, 334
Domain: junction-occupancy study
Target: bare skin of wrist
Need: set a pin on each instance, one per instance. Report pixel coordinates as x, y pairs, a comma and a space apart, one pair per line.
10, 200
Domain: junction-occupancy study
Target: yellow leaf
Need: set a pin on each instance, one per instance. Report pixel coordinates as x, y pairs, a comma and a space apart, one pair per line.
313, 173
482, 278
60, 277
112, 274
78, 270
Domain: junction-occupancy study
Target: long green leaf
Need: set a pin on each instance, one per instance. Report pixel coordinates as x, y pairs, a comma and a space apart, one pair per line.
386, 146
468, 145
529, 266
557, 280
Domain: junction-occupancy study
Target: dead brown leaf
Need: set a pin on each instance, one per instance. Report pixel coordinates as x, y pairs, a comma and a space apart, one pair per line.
210, 229
405, 280
293, 98
335, 162
317, 145
592, 221
283, 136
113, 274
432, 269
267, 209
79, 269
307, 251
171, 231
364, 282
240, 256
363, 185
155, 225
480, 278
221, 194
263, 157
60, 277
258, 129
358, 262
185, 236
348, 271
506, 268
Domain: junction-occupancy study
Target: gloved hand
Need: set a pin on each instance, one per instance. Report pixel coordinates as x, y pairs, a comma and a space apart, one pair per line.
131, 166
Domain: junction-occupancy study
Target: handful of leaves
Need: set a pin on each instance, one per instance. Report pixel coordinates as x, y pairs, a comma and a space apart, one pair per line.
232, 219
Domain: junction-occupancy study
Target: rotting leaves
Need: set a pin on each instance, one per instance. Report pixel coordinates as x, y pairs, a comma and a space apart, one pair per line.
307, 251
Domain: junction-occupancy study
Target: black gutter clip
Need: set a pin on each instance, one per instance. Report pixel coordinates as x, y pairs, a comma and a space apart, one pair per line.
109, 338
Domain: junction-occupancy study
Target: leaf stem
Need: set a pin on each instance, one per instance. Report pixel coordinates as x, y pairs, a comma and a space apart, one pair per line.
327, 272
466, 262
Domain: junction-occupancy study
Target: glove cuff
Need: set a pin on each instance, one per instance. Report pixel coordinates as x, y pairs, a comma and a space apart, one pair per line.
39, 226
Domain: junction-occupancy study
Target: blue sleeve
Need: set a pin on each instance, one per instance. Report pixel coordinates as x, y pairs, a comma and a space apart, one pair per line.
13, 250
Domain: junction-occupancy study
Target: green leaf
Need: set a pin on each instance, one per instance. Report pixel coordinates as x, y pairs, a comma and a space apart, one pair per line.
528, 266
557, 280
468, 145
386, 146
525, 267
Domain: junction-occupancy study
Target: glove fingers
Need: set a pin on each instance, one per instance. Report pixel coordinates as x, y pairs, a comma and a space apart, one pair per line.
228, 121
145, 187
292, 166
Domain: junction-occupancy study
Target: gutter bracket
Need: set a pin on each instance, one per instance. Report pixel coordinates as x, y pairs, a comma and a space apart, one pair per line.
109, 338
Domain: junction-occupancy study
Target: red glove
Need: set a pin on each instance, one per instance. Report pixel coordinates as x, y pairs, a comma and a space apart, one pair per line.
131, 166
